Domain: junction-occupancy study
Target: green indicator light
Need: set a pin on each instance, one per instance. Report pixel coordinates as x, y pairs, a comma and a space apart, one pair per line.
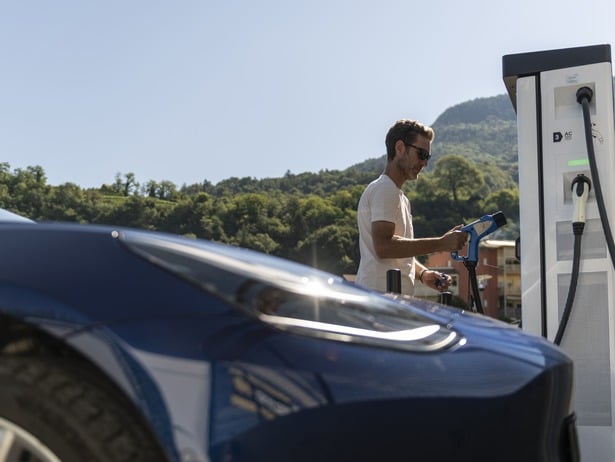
578, 162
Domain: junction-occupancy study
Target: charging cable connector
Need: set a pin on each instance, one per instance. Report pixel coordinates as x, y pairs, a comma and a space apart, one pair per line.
478, 229
580, 192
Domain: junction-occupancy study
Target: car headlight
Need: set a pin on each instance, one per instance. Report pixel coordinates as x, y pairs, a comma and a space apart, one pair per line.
293, 297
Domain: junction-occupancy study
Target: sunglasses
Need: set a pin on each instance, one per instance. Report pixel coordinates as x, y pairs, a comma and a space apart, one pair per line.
424, 154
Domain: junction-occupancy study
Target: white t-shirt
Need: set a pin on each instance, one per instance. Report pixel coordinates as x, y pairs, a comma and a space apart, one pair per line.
382, 200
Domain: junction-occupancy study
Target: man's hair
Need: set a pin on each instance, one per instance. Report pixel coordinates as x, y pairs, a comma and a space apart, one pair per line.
406, 131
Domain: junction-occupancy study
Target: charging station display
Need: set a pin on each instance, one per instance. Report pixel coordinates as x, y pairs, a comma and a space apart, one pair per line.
550, 91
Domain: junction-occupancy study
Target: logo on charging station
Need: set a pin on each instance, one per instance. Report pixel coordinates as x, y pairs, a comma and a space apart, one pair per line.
557, 136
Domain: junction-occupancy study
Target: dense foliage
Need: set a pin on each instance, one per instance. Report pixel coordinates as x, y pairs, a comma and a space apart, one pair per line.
308, 217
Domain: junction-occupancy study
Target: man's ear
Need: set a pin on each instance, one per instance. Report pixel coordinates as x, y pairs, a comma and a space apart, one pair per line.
400, 147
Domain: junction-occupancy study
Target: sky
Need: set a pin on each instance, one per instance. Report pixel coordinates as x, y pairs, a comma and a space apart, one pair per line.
205, 90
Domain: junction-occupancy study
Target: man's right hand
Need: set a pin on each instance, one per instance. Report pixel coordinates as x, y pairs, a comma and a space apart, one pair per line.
454, 239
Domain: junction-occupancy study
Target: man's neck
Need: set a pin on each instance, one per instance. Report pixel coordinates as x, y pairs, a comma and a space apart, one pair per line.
394, 175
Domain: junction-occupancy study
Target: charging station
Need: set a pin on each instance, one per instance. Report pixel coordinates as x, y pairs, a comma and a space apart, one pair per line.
553, 150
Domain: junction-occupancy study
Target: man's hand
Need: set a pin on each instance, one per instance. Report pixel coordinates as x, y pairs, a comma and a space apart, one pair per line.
436, 280
454, 239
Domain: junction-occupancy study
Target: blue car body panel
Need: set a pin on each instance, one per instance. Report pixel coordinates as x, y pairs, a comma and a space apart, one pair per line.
217, 383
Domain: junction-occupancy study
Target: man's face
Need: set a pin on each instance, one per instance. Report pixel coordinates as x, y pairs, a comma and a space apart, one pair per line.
414, 157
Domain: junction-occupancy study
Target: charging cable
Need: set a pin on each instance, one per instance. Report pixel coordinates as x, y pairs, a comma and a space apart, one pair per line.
584, 97
580, 192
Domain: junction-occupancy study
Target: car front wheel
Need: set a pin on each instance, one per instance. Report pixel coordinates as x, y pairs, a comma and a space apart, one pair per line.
56, 410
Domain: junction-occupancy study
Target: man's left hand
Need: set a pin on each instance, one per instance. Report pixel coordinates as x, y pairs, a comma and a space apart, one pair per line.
437, 280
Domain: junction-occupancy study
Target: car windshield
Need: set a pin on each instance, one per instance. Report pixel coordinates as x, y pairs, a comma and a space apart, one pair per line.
289, 295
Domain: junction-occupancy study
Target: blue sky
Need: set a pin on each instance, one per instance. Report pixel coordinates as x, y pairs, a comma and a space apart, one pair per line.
188, 90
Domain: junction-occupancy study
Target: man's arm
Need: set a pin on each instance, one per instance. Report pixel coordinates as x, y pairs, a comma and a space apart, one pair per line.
389, 245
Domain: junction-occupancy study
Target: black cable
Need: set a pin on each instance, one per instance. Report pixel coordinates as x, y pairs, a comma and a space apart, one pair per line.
471, 266
584, 95
576, 263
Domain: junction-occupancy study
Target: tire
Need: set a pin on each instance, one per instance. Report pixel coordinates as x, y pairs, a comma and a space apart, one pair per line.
57, 410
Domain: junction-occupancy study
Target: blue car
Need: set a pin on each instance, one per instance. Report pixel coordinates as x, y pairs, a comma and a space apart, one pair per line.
126, 345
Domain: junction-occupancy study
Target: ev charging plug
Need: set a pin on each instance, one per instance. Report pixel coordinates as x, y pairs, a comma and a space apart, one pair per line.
580, 192
478, 229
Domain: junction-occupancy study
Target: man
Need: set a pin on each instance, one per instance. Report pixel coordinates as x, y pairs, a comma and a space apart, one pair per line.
386, 236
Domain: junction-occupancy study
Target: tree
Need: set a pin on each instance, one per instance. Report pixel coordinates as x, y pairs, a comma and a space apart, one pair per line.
457, 175
165, 190
137, 212
151, 188
251, 215
505, 200
126, 184
332, 248
29, 192
67, 203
